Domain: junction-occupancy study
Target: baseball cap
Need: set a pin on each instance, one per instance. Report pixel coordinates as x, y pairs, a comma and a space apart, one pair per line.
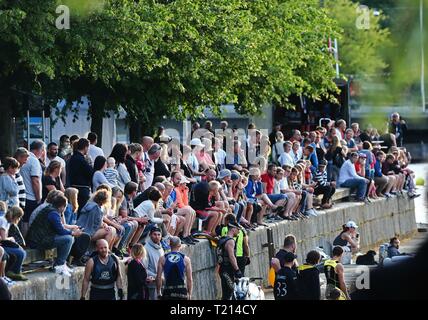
196, 142
362, 155
184, 180
155, 229
224, 173
234, 176
289, 256
154, 148
351, 224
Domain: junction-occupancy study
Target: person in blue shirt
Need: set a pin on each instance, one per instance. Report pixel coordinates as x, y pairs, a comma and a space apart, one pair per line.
255, 195
48, 232
350, 142
383, 183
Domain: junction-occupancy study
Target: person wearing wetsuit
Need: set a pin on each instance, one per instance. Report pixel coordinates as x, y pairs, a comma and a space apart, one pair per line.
242, 249
290, 245
177, 270
229, 269
285, 286
103, 272
334, 273
308, 278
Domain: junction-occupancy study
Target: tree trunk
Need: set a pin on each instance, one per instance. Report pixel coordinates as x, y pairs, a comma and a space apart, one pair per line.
135, 131
97, 115
6, 127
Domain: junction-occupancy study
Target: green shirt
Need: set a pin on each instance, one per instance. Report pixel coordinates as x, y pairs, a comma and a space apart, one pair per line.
239, 240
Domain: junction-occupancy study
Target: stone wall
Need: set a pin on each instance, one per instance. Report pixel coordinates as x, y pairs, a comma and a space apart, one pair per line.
377, 221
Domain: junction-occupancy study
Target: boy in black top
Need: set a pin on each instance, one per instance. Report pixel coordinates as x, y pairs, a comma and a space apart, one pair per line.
285, 287
308, 279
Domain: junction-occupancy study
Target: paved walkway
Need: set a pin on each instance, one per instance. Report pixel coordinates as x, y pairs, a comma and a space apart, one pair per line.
407, 246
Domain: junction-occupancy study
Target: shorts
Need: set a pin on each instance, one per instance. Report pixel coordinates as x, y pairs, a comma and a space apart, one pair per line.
203, 214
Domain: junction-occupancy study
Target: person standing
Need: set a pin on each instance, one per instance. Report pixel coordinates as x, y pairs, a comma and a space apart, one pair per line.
154, 252
51, 155
8, 186
137, 274
103, 272
308, 278
229, 269
285, 286
21, 155
334, 273
31, 173
94, 151
177, 270
398, 127
80, 172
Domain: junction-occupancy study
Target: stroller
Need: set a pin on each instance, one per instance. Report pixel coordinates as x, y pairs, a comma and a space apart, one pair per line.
246, 289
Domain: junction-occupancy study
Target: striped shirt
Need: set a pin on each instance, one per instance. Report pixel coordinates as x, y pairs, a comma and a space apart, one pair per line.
321, 178
21, 190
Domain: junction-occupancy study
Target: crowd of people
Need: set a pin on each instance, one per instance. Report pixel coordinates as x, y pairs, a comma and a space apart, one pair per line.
160, 193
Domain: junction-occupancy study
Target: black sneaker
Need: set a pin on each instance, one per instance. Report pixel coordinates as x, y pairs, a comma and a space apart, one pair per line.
194, 240
188, 241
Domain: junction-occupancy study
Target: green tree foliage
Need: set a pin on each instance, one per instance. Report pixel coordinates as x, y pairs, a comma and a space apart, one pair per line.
361, 48
173, 58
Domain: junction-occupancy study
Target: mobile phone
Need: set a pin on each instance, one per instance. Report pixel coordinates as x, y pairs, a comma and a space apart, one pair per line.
175, 210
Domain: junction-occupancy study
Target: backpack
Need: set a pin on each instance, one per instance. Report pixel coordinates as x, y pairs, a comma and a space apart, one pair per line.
220, 250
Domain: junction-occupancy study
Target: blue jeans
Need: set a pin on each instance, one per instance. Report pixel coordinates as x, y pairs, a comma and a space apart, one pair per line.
276, 197
303, 201
359, 184
63, 246
128, 231
19, 254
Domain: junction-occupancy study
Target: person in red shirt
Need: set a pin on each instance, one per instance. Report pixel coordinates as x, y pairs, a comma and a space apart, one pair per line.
280, 200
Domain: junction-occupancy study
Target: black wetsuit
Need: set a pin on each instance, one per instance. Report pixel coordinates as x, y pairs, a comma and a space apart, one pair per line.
227, 273
285, 287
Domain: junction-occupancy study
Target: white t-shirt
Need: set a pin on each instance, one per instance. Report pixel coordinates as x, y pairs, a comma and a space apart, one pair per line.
147, 209
286, 159
94, 152
149, 172
220, 158
57, 158
32, 168
4, 224
280, 185
193, 163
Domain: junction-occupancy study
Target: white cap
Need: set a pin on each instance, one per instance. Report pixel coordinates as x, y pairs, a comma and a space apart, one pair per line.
196, 142
351, 224
184, 180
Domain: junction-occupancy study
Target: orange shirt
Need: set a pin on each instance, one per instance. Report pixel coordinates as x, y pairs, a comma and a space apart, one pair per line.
182, 196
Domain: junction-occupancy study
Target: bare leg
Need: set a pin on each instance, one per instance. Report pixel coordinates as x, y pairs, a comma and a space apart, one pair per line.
290, 204
137, 234
249, 212
390, 185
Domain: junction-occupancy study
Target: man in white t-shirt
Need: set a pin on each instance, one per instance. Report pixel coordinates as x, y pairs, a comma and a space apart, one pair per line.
31, 173
286, 158
51, 155
94, 151
219, 154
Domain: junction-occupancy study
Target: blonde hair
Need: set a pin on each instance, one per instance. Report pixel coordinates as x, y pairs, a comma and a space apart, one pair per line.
71, 195
53, 165
138, 251
14, 214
